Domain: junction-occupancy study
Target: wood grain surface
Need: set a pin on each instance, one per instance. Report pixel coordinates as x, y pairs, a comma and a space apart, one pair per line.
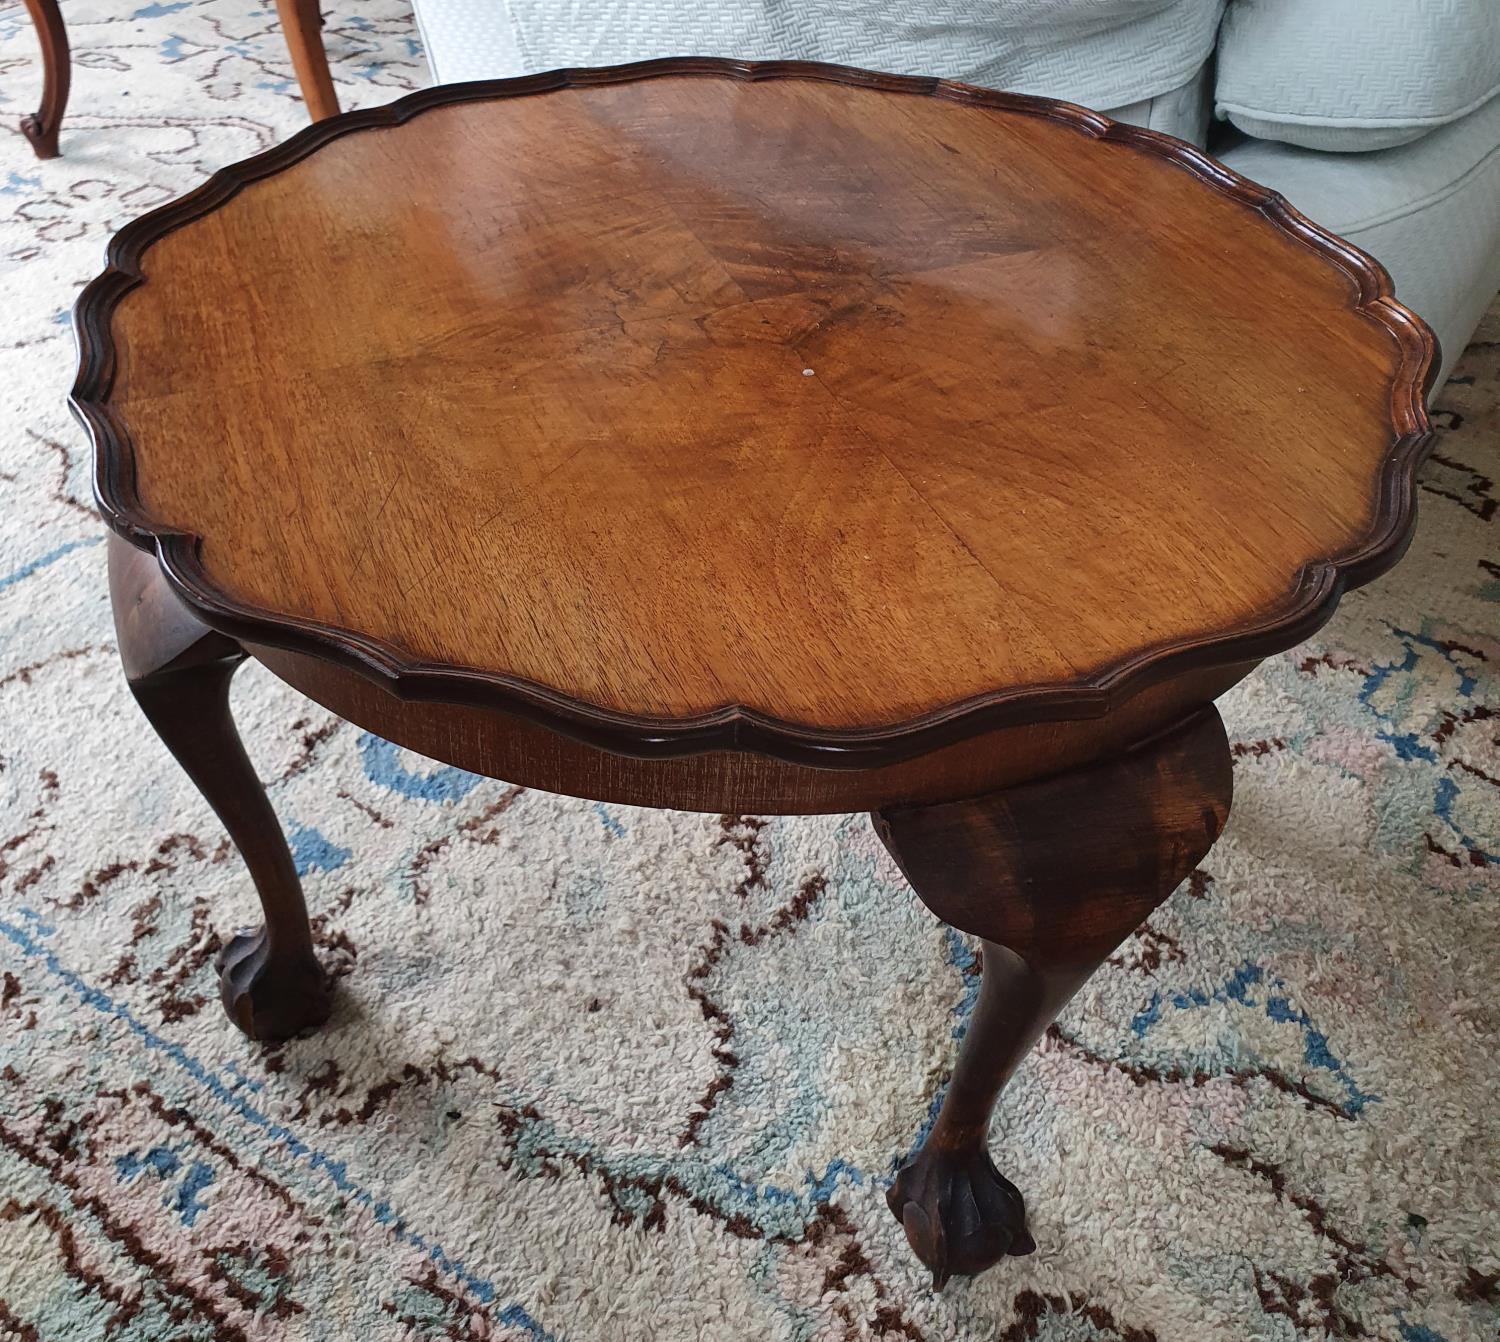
502, 745
804, 399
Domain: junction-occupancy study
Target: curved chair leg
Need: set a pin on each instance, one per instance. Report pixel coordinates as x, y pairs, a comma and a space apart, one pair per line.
1052, 875
179, 671
41, 127
302, 24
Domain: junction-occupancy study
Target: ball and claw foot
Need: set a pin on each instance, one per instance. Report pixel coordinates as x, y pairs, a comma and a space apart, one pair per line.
271, 998
961, 1215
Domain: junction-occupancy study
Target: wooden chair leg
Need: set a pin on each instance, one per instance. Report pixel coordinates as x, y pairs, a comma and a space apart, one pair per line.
41, 128
302, 22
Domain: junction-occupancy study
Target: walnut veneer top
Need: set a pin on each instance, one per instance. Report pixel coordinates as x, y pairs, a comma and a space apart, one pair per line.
817, 396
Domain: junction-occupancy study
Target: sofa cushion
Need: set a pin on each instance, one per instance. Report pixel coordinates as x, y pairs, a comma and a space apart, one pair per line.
1102, 53
1350, 75
1428, 211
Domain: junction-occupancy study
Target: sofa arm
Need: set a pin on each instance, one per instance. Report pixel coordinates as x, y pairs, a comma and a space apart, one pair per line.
1429, 211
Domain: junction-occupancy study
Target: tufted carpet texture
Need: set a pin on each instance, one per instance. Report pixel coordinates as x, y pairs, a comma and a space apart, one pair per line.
597, 1073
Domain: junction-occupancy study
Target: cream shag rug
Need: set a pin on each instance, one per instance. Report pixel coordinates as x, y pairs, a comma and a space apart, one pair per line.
598, 1073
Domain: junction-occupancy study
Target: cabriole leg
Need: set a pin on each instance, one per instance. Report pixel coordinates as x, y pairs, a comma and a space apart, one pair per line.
179, 671
40, 127
1052, 875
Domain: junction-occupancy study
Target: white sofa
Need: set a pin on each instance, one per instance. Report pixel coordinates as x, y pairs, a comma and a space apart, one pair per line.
1378, 118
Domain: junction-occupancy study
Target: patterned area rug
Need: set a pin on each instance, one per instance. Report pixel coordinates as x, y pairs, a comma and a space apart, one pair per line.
597, 1073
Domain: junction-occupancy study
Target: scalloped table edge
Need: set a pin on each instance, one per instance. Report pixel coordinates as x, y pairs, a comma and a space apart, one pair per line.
736, 727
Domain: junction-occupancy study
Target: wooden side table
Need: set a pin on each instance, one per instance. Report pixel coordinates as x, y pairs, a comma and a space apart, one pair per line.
755, 438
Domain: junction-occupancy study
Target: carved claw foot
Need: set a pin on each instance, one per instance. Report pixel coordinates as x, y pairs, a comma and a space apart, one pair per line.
961, 1215
267, 996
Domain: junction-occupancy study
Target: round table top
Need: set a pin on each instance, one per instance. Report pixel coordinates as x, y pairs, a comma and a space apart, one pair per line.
701, 397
